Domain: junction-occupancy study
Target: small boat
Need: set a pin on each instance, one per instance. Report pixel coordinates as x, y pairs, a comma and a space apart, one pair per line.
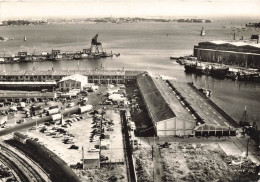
175, 58
205, 91
219, 72
104, 55
199, 69
190, 68
202, 33
24, 38
77, 56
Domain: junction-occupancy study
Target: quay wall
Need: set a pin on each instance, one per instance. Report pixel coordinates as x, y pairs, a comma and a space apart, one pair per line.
218, 109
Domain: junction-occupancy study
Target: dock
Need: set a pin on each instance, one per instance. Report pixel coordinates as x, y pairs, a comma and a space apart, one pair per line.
199, 104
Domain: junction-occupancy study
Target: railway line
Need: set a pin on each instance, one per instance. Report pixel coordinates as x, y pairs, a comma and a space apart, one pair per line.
24, 171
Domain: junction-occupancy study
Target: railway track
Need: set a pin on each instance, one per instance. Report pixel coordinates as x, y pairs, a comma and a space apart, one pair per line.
24, 171
18, 173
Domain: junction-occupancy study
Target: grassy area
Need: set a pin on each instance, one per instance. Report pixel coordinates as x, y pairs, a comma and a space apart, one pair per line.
110, 173
197, 162
144, 164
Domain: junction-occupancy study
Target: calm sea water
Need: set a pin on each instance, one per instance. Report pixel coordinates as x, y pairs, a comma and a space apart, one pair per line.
143, 46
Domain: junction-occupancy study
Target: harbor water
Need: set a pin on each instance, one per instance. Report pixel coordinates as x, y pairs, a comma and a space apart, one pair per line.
143, 46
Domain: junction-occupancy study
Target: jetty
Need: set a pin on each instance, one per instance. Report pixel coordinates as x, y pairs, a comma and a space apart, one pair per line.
94, 52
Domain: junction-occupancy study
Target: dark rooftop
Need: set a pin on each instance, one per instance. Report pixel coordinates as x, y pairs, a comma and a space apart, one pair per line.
155, 102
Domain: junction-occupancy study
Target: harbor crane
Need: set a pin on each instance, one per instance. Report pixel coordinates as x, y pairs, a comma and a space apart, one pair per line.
96, 47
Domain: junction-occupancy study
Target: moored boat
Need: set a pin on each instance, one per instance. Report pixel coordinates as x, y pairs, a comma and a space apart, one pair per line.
219, 72
202, 33
190, 68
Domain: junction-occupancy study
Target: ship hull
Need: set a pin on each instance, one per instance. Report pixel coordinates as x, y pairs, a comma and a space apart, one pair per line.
219, 72
190, 68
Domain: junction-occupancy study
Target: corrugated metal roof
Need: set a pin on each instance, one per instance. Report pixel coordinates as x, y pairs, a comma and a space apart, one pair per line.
156, 104
75, 77
28, 83
237, 43
64, 72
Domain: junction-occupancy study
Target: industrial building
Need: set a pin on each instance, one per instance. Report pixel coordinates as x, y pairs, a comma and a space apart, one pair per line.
163, 117
236, 53
27, 85
176, 108
27, 97
73, 82
94, 76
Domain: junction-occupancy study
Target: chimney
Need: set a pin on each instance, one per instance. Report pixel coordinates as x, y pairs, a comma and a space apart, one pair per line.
234, 36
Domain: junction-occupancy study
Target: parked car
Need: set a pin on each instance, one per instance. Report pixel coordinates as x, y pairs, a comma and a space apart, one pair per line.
68, 141
103, 158
74, 147
94, 150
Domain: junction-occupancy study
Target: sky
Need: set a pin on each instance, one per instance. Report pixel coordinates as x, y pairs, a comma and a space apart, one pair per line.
13, 9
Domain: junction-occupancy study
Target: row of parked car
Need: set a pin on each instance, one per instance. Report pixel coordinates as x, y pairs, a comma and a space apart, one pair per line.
60, 130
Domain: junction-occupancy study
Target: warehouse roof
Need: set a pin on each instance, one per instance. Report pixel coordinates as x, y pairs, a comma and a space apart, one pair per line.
75, 77
63, 72
155, 102
235, 43
51, 82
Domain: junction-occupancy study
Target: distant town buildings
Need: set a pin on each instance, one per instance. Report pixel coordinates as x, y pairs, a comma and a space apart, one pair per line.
195, 20
116, 20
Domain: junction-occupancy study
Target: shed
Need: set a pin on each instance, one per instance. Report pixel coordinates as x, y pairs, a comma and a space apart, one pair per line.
3, 119
91, 160
105, 145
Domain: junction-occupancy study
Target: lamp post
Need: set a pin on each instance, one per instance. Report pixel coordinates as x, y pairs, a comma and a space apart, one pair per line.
247, 146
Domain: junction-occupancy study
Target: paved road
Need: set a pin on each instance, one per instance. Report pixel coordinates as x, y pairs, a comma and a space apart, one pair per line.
200, 105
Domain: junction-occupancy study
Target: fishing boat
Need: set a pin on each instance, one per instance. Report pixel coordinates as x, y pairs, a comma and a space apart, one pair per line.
232, 75
218, 72
200, 68
190, 68
173, 58
202, 33
104, 55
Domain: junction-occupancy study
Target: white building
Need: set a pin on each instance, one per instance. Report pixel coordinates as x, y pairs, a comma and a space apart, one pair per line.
73, 82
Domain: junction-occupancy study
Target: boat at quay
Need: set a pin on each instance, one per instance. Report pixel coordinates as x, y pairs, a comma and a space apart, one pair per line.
94, 52
219, 71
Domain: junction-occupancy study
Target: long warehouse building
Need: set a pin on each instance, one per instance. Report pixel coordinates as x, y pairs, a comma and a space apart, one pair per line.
239, 53
175, 108
164, 119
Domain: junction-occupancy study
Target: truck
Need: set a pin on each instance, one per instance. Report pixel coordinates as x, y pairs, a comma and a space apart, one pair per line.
86, 108
71, 104
84, 100
56, 117
52, 111
54, 107
132, 126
